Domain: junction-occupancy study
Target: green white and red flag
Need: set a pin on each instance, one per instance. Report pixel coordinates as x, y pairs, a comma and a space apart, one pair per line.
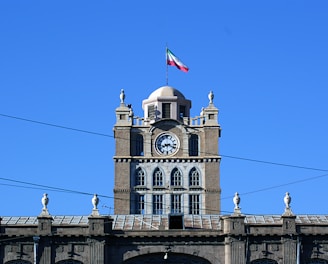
173, 60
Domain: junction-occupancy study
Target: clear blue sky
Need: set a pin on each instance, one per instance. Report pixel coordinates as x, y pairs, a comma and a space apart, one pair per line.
64, 63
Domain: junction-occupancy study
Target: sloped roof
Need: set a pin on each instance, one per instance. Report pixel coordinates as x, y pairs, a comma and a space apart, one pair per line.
157, 222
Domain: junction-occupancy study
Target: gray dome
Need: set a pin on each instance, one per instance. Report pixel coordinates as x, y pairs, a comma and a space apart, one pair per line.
166, 91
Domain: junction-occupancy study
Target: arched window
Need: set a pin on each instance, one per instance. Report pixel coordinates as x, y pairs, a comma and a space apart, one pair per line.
194, 178
264, 261
176, 177
139, 146
158, 179
140, 177
193, 145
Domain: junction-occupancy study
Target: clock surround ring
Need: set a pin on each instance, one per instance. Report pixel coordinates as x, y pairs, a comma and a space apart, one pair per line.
166, 144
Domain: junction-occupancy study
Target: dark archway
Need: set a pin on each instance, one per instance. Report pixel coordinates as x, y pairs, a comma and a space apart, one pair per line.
69, 261
264, 261
18, 262
160, 258
317, 261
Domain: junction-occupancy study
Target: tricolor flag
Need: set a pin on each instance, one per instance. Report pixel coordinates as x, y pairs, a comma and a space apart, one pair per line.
172, 60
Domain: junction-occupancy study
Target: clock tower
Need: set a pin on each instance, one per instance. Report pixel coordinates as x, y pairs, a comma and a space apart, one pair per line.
167, 162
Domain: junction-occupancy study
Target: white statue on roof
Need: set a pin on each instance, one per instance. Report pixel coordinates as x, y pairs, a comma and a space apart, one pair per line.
45, 201
122, 96
287, 201
236, 201
95, 202
211, 97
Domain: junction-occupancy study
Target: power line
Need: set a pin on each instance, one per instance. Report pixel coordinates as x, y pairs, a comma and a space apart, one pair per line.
274, 163
57, 126
56, 189
111, 136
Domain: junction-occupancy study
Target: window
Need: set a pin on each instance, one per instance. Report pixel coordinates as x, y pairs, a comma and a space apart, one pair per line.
140, 204
176, 203
139, 151
194, 204
140, 177
158, 178
166, 110
193, 145
182, 111
176, 177
158, 204
194, 179
151, 111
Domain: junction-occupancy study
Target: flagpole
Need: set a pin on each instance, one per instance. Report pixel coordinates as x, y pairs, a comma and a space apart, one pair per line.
167, 67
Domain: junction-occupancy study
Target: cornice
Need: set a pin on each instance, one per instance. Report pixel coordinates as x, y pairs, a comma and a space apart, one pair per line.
208, 159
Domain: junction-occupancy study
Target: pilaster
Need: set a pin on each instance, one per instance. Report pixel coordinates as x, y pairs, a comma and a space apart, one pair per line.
100, 225
42, 254
234, 225
44, 225
235, 244
289, 225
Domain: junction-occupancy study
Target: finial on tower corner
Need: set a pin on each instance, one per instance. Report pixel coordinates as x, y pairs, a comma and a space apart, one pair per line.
211, 97
122, 96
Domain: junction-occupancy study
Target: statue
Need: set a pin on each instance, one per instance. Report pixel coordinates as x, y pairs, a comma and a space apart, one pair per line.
211, 97
122, 96
287, 201
95, 202
45, 201
236, 201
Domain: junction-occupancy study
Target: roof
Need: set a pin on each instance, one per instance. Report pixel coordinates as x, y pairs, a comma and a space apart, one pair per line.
156, 222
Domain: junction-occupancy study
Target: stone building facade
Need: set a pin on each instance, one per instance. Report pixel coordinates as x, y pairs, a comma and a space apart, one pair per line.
203, 239
170, 155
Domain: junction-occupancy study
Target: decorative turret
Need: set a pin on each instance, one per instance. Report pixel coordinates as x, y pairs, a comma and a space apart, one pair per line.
124, 113
210, 113
166, 102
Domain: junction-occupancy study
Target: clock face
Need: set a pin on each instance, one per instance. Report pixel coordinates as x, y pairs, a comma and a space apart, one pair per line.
166, 144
